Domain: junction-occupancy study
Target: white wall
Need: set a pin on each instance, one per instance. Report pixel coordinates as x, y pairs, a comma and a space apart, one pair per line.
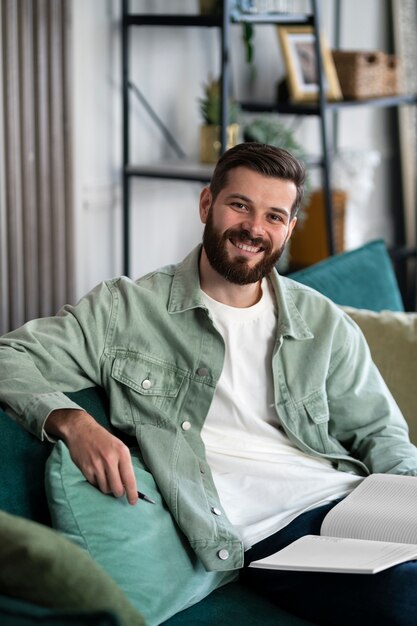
96, 143
170, 66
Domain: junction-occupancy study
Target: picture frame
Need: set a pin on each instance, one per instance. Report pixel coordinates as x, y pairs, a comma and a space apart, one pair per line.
298, 49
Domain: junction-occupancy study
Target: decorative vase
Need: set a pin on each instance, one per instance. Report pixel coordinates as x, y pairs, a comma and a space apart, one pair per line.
210, 142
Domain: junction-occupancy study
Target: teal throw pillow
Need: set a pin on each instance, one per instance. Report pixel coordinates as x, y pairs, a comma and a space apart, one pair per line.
40, 566
139, 546
363, 278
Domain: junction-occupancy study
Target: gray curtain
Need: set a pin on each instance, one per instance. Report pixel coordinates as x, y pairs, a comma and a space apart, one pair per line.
36, 230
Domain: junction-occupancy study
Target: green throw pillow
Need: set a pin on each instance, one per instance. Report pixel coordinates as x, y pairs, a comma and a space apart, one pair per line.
139, 546
392, 339
38, 565
362, 278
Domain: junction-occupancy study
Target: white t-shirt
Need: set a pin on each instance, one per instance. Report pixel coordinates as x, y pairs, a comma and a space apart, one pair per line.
262, 479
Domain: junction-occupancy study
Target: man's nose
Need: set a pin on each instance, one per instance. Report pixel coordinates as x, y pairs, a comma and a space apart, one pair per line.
254, 225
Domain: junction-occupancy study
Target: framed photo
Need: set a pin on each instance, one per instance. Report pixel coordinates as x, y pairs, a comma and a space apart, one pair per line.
298, 49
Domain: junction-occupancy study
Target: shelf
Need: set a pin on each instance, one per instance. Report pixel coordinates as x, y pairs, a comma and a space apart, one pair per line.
139, 19
187, 170
290, 108
183, 170
287, 19
386, 101
400, 253
203, 21
280, 107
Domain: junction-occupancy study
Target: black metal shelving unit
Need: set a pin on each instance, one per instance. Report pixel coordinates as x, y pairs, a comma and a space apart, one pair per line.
322, 109
230, 15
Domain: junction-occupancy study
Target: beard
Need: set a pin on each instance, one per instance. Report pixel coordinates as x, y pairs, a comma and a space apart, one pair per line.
238, 271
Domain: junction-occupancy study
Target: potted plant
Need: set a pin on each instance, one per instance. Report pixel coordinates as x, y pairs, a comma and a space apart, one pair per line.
215, 7
210, 106
210, 7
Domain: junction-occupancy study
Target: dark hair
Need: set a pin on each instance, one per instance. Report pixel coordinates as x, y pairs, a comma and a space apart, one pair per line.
265, 159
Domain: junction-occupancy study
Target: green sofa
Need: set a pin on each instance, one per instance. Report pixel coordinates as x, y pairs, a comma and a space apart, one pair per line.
362, 279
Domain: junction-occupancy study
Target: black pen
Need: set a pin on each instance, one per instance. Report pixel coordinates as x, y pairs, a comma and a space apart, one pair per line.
142, 496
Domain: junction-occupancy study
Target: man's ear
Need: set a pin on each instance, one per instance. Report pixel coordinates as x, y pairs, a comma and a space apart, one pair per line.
291, 227
205, 203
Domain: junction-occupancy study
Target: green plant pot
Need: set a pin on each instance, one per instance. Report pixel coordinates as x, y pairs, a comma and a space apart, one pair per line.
210, 143
209, 7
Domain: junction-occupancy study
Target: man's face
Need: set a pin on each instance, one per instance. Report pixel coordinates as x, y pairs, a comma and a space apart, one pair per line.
248, 225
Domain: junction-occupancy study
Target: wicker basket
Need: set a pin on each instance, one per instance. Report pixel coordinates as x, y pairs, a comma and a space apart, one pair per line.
366, 74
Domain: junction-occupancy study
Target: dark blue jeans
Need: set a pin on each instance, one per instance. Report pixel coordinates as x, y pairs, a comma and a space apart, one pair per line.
388, 598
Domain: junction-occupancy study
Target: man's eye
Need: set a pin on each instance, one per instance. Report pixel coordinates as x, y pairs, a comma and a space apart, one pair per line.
275, 218
239, 206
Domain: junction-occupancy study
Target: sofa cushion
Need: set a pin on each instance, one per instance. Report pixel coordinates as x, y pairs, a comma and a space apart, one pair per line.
363, 278
392, 339
23, 458
236, 605
19, 613
38, 565
134, 544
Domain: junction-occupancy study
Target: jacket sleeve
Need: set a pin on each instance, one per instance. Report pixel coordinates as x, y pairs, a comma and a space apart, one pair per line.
364, 416
49, 356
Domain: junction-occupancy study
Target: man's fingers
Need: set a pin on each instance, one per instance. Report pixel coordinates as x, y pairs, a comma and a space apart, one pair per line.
111, 483
103, 483
104, 460
128, 478
119, 477
96, 476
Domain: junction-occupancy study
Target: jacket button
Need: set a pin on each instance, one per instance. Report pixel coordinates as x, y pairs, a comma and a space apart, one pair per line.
146, 384
202, 371
215, 510
186, 425
223, 554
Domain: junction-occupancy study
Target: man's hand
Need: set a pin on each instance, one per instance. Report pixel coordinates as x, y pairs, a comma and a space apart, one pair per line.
102, 458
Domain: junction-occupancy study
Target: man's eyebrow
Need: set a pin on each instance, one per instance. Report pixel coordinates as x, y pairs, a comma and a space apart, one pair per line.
241, 196
280, 210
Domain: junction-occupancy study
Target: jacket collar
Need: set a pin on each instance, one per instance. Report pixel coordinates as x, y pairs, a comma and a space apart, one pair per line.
290, 321
185, 288
185, 295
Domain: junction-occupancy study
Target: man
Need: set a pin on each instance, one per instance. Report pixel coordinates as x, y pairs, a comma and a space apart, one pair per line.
265, 390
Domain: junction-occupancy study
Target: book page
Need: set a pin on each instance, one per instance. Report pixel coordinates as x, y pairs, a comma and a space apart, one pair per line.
315, 553
382, 508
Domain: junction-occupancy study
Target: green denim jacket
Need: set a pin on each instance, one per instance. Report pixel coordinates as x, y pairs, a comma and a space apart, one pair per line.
152, 346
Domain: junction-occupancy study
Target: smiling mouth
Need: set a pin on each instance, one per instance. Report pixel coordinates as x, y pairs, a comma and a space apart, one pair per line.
246, 247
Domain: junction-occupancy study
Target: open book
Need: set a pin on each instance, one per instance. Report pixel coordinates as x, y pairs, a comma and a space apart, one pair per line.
373, 528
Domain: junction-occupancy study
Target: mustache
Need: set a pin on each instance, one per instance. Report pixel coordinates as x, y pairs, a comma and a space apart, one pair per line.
243, 235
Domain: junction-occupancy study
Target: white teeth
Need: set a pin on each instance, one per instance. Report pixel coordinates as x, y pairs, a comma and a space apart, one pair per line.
242, 246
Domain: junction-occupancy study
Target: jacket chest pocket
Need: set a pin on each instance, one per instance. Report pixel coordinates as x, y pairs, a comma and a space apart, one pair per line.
154, 387
312, 415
